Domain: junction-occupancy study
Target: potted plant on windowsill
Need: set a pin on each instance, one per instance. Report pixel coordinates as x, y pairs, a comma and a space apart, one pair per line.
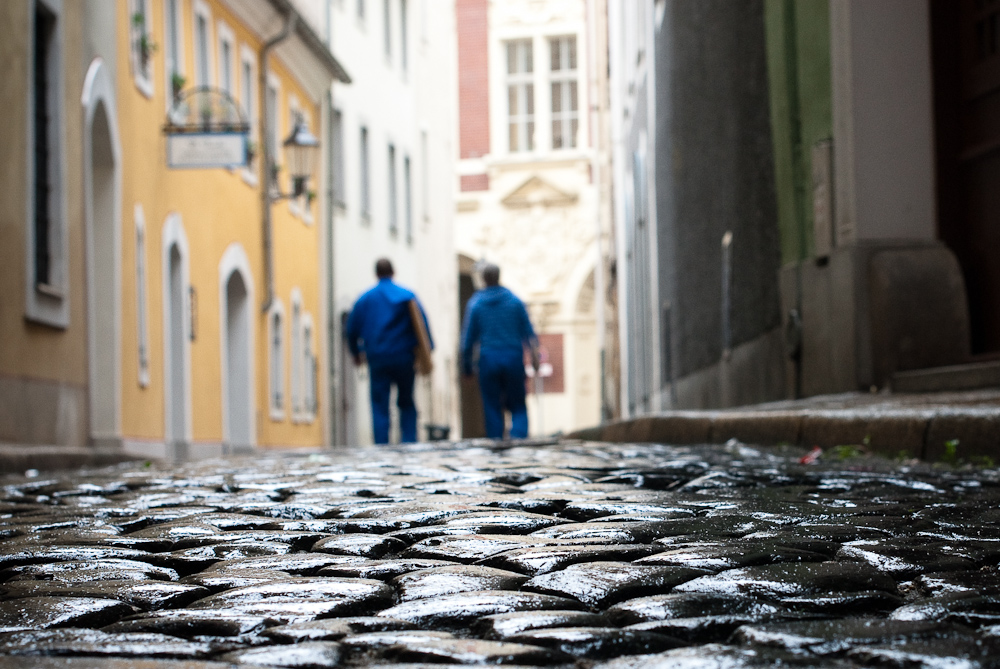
145, 46
177, 81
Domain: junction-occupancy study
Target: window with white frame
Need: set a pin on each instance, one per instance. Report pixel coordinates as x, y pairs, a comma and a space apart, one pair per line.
227, 59
296, 330
393, 204
563, 80
407, 200
387, 25
276, 339
339, 191
248, 100
202, 42
365, 167
520, 96
140, 295
173, 49
141, 45
46, 221
309, 363
425, 177
403, 42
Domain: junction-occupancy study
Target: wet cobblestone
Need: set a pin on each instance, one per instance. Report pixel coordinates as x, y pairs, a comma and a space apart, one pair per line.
569, 554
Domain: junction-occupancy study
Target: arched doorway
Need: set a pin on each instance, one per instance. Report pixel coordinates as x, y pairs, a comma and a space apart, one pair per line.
175, 341
470, 400
176, 326
236, 293
102, 197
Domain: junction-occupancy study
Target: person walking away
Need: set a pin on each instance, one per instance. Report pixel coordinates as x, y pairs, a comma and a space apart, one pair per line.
496, 321
382, 330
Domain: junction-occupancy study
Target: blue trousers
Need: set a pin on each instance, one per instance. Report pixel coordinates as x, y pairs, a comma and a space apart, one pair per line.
382, 376
501, 383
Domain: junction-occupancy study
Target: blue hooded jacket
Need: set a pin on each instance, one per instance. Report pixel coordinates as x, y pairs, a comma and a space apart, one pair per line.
380, 326
495, 319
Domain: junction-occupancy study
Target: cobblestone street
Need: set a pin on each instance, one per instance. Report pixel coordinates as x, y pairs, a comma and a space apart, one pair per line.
574, 554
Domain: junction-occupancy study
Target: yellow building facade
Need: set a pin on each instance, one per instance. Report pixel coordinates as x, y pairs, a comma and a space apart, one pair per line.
154, 310
208, 357
43, 323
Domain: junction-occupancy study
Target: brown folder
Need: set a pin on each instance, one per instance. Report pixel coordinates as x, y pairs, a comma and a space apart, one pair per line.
422, 353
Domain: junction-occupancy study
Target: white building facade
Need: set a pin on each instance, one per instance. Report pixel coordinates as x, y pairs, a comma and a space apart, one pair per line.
528, 189
391, 188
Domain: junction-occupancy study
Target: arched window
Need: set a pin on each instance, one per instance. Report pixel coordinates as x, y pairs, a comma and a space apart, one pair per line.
297, 366
276, 339
310, 366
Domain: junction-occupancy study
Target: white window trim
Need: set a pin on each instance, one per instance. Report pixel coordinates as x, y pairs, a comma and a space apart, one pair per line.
143, 78
277, 410
404, 42
310, 370
235, 259
247, 56
338, 180
522, 79
392, 189
387, 31
174, 235
48, 304
364, 173
425, 177
563, 76
178, 66
406, 167
225, 35
201, 10
141, 303
295, 329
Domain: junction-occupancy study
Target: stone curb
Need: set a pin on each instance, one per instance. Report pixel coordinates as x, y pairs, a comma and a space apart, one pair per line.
17, 459
924, 433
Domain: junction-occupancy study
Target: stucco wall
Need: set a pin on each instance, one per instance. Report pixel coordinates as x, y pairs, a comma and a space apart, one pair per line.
43, 369
216, 207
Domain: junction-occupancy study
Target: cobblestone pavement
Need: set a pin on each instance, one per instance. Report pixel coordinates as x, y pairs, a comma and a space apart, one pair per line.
568, 554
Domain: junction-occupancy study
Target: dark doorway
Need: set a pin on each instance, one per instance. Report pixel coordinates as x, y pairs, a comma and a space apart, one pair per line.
966, 57
473, 420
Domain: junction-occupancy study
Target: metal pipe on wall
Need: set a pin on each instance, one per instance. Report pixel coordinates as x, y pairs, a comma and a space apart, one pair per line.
266, 159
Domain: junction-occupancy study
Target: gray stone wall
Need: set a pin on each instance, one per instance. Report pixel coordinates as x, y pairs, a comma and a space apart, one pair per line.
714, 174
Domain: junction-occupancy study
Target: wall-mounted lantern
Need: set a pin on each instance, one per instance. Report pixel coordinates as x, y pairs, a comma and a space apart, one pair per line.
302, 155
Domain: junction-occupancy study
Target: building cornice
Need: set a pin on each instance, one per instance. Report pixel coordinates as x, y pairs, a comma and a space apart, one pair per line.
306, 56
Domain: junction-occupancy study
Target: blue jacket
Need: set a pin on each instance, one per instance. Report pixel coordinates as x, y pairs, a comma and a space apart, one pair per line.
380, 326
497, 320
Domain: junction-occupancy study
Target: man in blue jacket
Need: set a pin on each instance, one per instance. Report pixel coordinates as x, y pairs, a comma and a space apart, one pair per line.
497, 321
380, 330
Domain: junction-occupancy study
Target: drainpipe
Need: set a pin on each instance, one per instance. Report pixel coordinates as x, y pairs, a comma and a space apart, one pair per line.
333, 352
266, 159
333, 343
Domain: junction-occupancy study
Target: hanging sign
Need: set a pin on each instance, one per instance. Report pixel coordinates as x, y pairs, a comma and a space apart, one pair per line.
206, 128
207, 149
